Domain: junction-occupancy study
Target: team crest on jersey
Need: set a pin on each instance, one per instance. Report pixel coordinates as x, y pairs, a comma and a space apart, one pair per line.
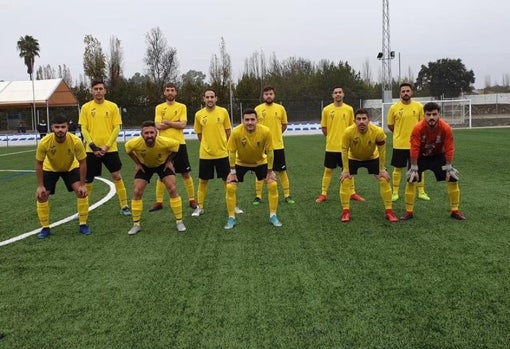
93, 112
244, 141
332, 115
355, 141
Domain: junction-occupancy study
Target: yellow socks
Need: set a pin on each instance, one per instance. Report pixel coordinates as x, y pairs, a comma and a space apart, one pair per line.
43, 213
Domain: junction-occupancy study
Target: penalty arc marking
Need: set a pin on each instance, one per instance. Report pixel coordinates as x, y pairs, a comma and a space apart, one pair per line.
108, 196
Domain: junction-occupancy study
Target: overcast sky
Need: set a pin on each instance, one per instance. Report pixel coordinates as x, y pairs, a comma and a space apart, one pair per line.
338, 30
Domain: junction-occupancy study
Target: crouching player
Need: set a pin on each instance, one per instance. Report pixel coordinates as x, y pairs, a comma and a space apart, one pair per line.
153, 154
61, 154
250, 148
432, 148
364, 145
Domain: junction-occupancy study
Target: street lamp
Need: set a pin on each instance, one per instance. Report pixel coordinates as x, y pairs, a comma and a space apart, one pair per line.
385, 58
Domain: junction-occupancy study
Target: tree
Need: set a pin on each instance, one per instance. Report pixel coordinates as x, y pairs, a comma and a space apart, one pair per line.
191, 91
114, 62
220, 72
94, 60
160, 59
45, 72
28, 48
446, 77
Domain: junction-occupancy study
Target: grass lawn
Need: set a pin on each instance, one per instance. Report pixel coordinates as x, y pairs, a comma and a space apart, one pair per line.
431, 282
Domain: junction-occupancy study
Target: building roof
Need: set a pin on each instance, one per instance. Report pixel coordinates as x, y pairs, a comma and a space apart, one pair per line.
52, 92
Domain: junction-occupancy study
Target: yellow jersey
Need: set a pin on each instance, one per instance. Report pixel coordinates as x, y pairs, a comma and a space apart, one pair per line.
336, 120
364, 146
100, 120
212, 125
171, 112
404, 117
273, 116
60, 157
152, 156
251, 147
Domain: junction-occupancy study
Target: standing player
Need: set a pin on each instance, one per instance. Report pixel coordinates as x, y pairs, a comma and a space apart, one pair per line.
212, 126
274, 116
432, 148
100, 123
171, 118
61, 154
153, 154
336, 117
402, 117
250, 149
364, 145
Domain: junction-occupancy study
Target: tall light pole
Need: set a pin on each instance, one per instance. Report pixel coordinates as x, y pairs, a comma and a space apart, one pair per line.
385, 56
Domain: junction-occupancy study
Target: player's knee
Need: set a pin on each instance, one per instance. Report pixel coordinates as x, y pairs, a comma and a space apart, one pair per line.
231, 187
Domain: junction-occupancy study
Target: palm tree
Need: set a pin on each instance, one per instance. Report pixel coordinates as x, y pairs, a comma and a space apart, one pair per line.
28, 48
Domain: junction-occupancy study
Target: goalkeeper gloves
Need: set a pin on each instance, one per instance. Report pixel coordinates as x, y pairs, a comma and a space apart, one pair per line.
451, 172
412, 174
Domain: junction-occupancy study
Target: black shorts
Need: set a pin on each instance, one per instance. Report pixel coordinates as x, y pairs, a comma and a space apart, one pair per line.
206, 168
50, 179
333, 160
94, 164
181, 160
433, 163
260, 171
279, 160
371, 165
149, 171
401, 158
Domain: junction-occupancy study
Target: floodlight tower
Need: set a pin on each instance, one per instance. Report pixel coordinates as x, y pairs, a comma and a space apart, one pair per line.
386, 55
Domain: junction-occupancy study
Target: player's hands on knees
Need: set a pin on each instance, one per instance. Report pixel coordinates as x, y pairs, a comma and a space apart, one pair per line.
412, 174
41, 193
270, 177
451, 172
345, 175
82, 191
232, 178
384, 174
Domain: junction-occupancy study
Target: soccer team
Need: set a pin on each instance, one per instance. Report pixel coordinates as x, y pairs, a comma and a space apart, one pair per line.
421, 141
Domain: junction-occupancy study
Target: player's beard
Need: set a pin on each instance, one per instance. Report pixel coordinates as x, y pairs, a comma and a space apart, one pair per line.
60, 136
150, 141
432, 123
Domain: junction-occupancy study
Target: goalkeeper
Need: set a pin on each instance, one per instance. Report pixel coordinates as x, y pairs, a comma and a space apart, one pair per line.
432, 148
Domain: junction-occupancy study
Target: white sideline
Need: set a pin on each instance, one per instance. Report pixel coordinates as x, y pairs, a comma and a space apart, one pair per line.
108, 196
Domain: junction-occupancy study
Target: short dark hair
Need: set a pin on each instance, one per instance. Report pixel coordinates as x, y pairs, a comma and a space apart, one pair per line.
148, 123
170, 85
59, 119
250, 111
362, 111
97, 82
210, 89
430, 106
268, 88
406, 84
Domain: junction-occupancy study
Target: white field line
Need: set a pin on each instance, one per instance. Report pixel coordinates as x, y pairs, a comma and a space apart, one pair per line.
108, 196
18, 152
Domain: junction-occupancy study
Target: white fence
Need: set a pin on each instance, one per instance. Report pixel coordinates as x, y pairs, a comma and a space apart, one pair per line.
11, 140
